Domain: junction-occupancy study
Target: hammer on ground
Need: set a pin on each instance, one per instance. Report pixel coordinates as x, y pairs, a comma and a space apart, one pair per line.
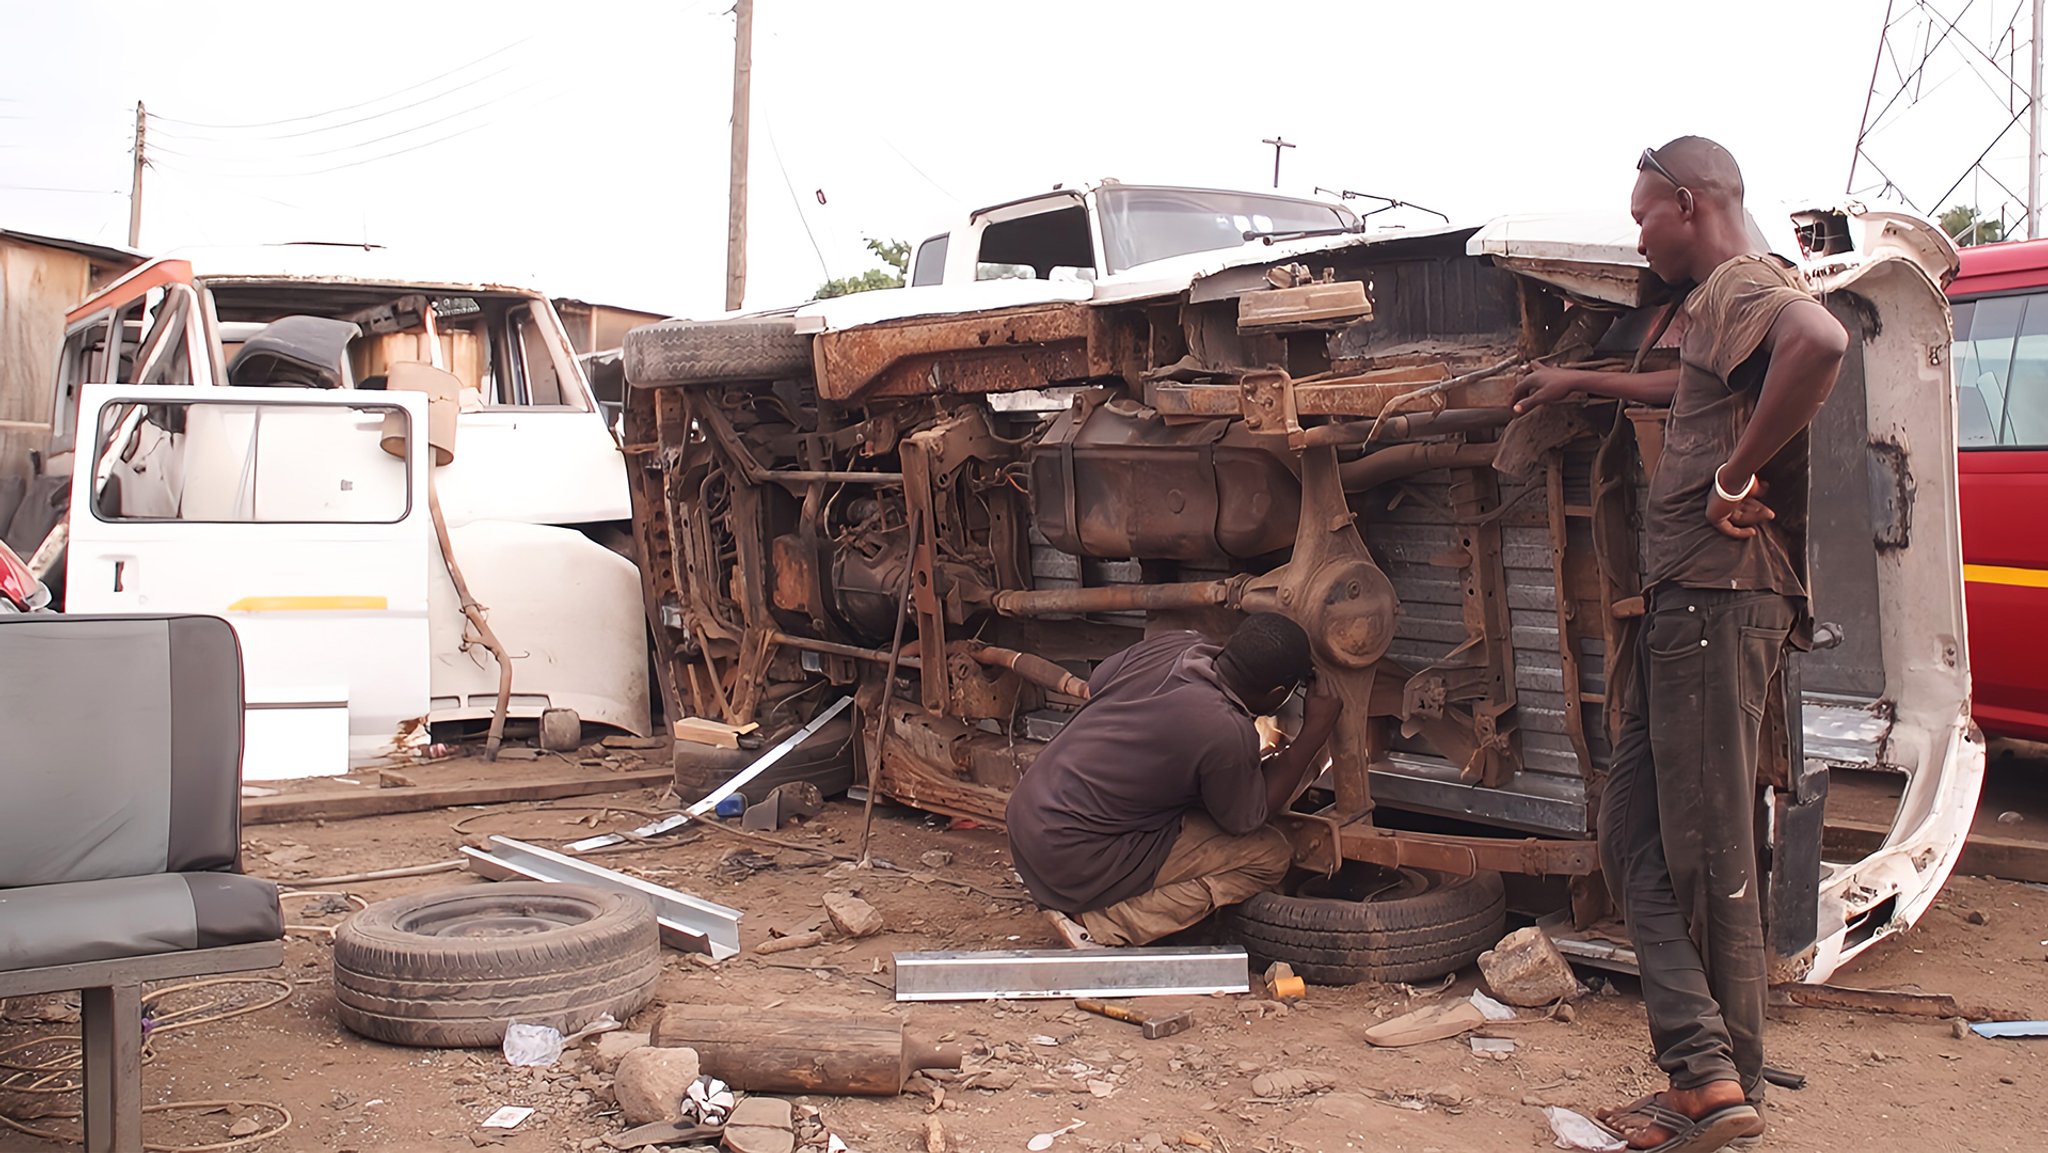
1152, 1027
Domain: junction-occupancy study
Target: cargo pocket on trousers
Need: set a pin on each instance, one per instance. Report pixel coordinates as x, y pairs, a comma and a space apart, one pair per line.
1756, 665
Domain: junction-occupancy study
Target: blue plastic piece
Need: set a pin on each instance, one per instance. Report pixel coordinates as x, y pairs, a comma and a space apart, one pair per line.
732, 806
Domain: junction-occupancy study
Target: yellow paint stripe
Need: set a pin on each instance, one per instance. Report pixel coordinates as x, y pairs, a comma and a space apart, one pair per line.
329, 604
1986, 574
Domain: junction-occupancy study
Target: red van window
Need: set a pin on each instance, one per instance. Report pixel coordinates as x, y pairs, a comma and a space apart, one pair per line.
2001, 358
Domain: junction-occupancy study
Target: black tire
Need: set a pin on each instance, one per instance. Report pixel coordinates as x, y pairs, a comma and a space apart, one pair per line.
450, 968
1373, 924
825, 759
672, 352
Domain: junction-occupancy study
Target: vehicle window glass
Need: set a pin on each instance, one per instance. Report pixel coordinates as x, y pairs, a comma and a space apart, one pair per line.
2001, 369
543, 385
1140, 224
930, 267
217, 462
2026, 394
1985, 342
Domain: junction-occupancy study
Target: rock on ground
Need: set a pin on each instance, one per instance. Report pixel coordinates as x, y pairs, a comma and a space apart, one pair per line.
651, 1081
609, 1048
852, 916
1526, 969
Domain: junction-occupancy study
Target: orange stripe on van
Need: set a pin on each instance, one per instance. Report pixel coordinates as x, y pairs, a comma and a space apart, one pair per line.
328, 604
1986, 574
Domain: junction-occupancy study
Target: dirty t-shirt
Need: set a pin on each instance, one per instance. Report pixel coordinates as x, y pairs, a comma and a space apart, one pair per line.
1097, 812
1720, 378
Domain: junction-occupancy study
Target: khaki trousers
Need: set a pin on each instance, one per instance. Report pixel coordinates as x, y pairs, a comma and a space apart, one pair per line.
1205, 870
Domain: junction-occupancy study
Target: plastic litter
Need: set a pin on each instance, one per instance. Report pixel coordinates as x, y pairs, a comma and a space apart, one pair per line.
1043, 1141
1574, 1131
507, 1117
1497, 1047
708, 1101
1494, 1010
532, 1044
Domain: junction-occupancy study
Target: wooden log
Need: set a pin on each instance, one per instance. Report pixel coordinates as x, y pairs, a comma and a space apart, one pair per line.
333, 805
776, 1052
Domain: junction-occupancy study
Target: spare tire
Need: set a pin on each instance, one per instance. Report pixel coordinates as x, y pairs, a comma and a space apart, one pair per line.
450, 968
1373, 924
671, 352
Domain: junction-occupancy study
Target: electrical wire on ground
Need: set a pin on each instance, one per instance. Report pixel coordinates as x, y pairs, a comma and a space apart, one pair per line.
56, 1074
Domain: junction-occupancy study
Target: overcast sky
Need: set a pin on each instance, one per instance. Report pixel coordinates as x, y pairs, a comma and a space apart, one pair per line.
582, 147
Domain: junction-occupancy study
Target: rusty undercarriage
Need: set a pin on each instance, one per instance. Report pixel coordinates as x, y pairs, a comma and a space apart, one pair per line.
954, 516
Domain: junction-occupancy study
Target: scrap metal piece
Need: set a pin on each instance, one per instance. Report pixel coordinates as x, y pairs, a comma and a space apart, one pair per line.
797, 800
690, 924
967, 975
737, 782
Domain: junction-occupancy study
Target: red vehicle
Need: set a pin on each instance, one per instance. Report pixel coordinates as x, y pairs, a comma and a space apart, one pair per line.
2000, 299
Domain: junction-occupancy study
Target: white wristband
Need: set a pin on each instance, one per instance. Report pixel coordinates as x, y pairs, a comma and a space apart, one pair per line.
1747, 488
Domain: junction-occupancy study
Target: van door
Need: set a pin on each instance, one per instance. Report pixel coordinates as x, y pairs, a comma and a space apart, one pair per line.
299, 516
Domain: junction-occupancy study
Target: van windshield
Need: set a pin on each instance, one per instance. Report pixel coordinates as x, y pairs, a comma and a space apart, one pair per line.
1141, 225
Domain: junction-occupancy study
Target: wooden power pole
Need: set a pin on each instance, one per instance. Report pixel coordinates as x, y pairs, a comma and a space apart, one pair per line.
736, 211
135, 187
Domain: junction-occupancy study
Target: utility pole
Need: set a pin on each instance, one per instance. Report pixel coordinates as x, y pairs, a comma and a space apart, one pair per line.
736, 211
1278, 143
2034, 130
135, 188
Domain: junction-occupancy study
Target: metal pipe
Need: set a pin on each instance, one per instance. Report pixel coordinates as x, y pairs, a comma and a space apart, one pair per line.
1405, 460
1033, 668
1117, 598
2034, 127
1410, 426
835, 649
829, 476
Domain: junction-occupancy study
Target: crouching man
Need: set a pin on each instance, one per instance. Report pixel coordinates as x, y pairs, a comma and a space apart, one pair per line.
1148, 811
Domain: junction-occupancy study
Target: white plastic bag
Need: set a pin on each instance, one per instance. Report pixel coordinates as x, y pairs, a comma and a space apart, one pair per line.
1494, 1010
532, 1044
1574, 1131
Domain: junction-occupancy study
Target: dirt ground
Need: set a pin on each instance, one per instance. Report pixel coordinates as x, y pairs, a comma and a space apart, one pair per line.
1874, 1082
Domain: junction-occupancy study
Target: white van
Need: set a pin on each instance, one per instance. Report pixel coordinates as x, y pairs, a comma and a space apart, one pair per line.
241, 457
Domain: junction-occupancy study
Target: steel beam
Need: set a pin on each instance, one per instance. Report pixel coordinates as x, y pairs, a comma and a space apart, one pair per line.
688, 923
1066, 973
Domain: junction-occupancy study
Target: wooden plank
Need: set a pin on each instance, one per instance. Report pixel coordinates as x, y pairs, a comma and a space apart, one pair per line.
2007, 858
703, 731
334, 805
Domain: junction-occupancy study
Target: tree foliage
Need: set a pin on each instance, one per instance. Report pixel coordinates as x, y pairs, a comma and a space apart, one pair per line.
1966, 227
894, 253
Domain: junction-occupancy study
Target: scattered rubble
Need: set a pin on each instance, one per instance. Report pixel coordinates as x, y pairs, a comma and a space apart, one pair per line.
1292, 1083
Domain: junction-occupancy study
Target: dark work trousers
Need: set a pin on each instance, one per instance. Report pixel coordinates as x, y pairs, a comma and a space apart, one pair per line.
1677, 831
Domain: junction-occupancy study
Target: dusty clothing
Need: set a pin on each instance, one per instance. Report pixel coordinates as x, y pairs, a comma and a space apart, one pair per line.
1678, 832
1721, 373
1207, 869
1095, 817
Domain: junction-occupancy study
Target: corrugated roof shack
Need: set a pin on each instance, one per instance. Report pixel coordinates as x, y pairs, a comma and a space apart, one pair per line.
41, 278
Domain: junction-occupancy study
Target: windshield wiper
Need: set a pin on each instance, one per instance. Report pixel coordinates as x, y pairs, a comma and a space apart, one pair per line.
1303, 233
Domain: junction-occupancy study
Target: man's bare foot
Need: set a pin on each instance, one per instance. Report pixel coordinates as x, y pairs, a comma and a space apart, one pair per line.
1648, 1122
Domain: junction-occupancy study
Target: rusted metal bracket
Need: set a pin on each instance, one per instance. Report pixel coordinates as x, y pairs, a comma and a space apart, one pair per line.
1467, 855
1317, 839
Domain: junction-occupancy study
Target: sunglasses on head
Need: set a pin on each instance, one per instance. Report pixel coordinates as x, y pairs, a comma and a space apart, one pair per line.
1648, 161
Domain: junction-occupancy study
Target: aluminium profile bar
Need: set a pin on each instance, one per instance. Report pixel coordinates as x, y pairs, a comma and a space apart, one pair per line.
966, 975
690, 924
737, 782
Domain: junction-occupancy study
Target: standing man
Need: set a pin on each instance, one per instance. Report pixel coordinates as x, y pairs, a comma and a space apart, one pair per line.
1148, 811
1725, 591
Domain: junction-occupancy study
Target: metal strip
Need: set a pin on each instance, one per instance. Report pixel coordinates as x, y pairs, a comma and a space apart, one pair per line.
735, 784
688, 923
957, 975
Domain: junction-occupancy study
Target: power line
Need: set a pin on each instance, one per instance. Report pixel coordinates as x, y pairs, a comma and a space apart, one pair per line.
348, 107
435, 123
72, 191
793, 198
346, 123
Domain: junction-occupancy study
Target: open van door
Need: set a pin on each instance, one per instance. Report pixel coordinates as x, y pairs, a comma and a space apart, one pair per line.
298, 515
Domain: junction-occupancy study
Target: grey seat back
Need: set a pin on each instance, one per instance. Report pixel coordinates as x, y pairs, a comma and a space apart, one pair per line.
122, 747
